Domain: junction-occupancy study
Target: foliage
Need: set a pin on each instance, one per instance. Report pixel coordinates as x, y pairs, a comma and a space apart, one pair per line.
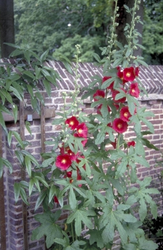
27, 74
56, 25
91, 170
41, 25
153, 31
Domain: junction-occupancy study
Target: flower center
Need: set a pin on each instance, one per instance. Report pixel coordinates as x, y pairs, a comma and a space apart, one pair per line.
80, 131
64, 161
126, 114
128, 74
71, 123
119, 125
133, 90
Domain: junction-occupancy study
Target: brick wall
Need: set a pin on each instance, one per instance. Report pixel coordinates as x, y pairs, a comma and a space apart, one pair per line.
14, 226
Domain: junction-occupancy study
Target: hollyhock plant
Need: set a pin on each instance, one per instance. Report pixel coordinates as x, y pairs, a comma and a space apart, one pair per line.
115, 93
134, 90
119, 125
63, 162
98, 94
72, 122
125, 114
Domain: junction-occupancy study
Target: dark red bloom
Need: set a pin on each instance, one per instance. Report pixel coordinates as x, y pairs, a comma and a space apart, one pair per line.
119, 125
107, 78
129, 74
56, 200
98, 94
136, 71
125, 114
63, 161
134, 90
72, 122
131, 143
120, 75
115, 93
69, 174
114, 144
79, 177
82, 130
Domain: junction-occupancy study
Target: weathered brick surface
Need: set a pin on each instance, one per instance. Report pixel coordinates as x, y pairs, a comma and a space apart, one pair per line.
151, 78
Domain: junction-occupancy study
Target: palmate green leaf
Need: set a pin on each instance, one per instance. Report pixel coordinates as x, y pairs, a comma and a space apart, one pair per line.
142, 161
116, 184
48, 228
100, 137
147, 244
81, 216
109, 231
96, 236
121, 167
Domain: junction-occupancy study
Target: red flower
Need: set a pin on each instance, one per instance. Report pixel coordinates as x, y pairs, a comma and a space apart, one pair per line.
119, 125
114, 144
63, 161
106, 78
115, 93
72, 122
129, 74
69, 174
134, 90
79, 177
136, 71
99, 93
56, 200
131, 143
82, 130
120, 74
125, 114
